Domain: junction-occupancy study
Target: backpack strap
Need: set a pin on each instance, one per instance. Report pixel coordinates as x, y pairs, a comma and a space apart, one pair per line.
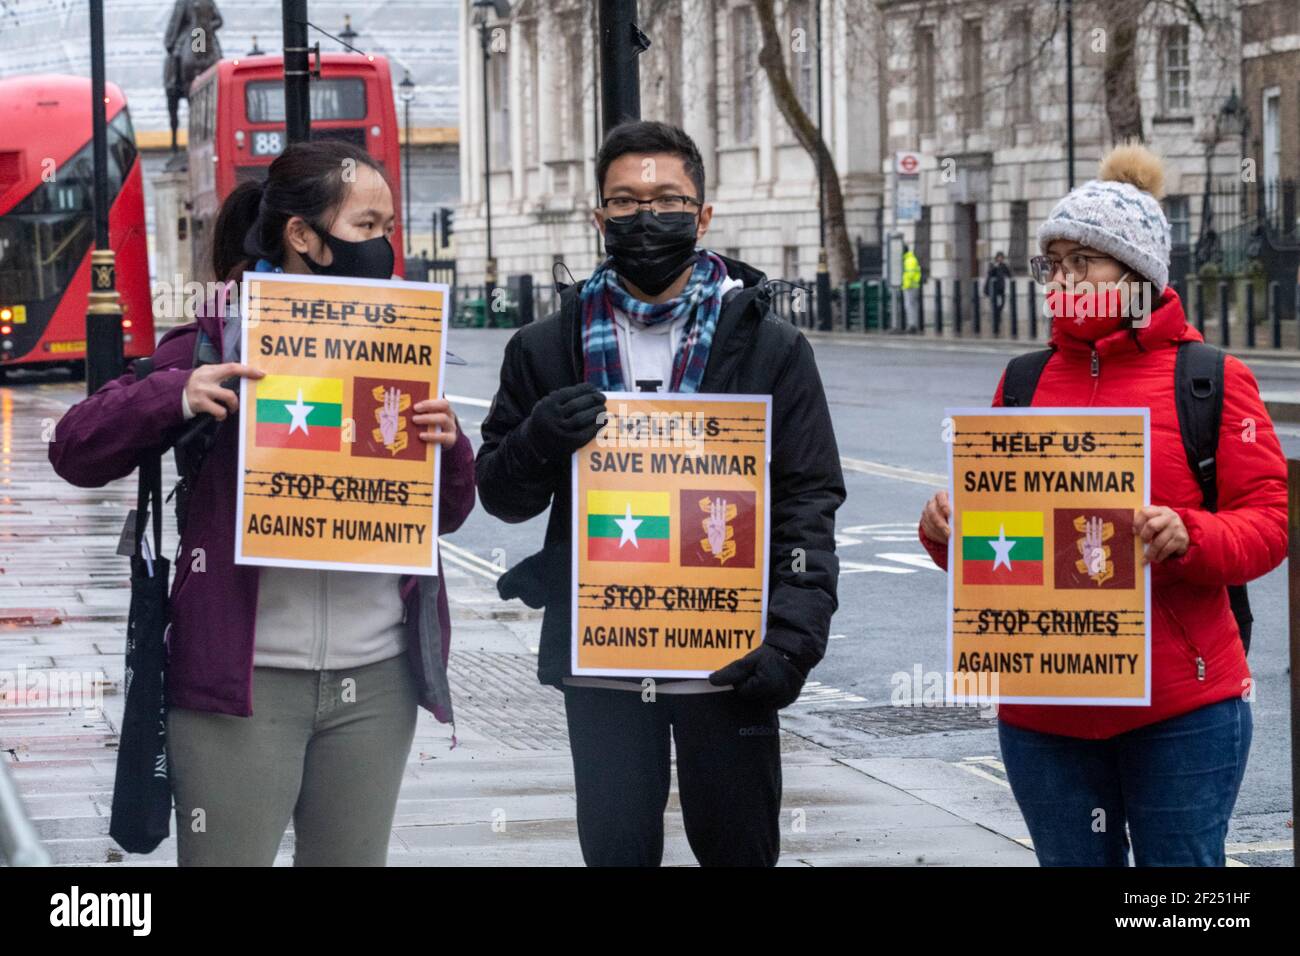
1198, 391
1021, 379
571, 325
740, 298
148, 499
1198, 388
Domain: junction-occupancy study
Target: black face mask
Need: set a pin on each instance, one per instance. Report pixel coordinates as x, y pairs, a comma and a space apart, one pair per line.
369, 259
651, 251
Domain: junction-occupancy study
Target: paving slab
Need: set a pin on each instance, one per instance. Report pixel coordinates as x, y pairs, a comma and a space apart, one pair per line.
503, 795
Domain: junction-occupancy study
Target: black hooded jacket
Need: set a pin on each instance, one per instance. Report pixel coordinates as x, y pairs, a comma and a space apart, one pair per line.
753, 352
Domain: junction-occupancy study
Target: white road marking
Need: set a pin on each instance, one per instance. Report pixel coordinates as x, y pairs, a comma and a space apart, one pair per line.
815, 692
988, 761
466, 400
882, 470
861, 567
922, 561
469, 561
905, 528
976, 766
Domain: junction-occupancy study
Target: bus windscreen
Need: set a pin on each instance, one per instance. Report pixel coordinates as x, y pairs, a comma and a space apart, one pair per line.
44, 238
337, 98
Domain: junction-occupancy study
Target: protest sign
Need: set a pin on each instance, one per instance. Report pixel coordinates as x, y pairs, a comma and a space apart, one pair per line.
670, 535
332, 472
1048, 599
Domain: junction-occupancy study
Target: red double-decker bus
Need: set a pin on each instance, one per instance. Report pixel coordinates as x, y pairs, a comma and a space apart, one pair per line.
47, 224
237, 127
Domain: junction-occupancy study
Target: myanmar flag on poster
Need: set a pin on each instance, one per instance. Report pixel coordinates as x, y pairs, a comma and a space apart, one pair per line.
294, 411
627, 526
1002, 547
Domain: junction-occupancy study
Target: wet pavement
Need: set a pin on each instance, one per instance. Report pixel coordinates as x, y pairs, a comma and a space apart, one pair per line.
503, 795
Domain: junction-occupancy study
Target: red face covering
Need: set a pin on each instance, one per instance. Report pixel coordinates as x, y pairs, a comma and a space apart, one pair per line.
1085, 313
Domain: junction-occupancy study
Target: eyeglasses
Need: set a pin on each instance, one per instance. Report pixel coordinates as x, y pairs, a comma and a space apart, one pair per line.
625, 207
1074, 265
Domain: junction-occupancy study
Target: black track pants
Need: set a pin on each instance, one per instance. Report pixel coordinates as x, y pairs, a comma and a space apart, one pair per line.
728, 775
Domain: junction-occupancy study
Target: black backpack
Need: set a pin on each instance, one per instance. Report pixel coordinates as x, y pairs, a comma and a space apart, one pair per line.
1198, 387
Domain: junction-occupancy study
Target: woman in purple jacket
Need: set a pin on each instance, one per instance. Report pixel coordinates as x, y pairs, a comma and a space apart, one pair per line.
338, 662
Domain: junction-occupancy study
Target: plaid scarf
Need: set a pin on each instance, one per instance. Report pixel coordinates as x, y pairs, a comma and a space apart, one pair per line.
701, 299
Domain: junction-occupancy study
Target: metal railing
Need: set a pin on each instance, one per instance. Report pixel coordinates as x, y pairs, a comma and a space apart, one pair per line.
1231, 311
1234, 311
19, 843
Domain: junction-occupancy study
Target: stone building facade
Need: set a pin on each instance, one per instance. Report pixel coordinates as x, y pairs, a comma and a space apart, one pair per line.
978, 89
1270, 68
702, 73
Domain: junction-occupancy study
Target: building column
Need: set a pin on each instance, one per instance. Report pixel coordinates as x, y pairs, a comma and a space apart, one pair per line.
591, 140
469, 132
699, 83
519, 72
766, 115
548, 98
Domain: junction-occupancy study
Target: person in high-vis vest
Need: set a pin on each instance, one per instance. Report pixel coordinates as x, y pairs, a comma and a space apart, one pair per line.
911, 290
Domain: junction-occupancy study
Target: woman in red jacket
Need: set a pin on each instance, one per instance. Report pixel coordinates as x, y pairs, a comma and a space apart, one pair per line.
1170, 772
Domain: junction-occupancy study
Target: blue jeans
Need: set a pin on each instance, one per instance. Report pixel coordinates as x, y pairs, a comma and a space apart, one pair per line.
1173, 783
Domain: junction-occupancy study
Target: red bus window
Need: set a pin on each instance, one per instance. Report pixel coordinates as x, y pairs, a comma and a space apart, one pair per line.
337, 98
11, 170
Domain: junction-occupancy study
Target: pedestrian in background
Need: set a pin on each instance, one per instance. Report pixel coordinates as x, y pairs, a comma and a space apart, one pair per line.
911, 288
338, 662
1169, 772
995, 286
663, 314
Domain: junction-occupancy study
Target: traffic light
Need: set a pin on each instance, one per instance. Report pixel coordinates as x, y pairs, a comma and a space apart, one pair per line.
446, 225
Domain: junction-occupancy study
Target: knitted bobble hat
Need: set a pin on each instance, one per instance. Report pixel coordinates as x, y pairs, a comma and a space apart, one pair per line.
1118, 213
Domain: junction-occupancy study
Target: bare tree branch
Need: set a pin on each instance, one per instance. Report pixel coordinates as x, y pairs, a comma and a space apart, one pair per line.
770, 58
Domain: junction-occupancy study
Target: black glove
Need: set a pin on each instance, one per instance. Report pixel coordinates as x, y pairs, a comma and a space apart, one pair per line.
534, 578
563, 421
765, 675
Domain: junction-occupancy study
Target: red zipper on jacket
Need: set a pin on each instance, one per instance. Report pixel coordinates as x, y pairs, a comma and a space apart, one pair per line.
1096, 376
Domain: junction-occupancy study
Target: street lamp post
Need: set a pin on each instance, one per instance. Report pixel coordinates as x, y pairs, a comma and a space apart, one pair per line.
103, 311
823, 264
297, 95
1069, 93
408, 93
1227, 121
483, 9
347, 35
621, 42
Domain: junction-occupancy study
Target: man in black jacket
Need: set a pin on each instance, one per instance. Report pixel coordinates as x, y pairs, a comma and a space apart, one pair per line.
726, 731
995, 286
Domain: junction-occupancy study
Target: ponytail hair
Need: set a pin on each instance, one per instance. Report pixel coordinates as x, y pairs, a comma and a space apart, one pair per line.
309, 180
238, 212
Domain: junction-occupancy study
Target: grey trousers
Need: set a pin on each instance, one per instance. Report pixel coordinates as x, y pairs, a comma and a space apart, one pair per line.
325, 748
912, 308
